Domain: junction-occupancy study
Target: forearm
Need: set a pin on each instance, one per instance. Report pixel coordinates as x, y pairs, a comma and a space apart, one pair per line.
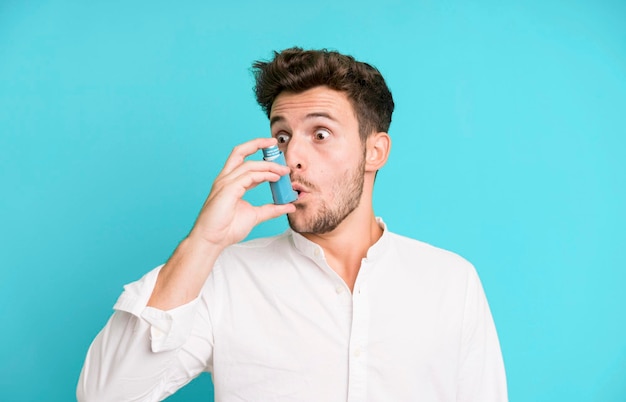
182, 277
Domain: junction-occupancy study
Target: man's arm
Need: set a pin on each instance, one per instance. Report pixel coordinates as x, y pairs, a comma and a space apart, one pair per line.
481, 373
159, 337
225, 219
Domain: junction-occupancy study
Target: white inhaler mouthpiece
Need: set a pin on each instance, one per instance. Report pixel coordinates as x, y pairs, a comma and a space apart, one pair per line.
282, 192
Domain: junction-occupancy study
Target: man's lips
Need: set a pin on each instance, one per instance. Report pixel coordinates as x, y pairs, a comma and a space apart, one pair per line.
300, 189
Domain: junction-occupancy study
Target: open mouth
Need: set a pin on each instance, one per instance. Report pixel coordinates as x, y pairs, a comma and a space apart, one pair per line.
297, 188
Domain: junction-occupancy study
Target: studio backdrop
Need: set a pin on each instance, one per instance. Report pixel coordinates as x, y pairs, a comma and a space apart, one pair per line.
508, 149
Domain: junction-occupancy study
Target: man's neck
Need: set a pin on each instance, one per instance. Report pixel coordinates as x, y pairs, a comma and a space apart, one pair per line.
348, 244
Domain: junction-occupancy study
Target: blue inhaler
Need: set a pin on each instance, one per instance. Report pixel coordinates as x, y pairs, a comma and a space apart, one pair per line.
282, 192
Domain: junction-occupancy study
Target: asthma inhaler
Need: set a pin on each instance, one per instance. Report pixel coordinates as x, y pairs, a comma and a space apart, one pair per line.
282, 192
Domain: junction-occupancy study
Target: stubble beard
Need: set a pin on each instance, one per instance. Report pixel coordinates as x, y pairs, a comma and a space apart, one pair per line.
347, 190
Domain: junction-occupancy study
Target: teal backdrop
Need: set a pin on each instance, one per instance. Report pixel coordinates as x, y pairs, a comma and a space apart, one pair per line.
508, 148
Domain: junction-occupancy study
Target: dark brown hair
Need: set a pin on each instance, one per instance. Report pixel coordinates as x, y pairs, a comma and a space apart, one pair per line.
296, 70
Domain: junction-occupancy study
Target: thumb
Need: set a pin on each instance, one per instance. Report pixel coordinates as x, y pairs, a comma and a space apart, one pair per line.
270, 211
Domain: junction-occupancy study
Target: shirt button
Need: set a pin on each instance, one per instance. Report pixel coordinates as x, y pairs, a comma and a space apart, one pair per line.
339, 289
316, 252
357, 352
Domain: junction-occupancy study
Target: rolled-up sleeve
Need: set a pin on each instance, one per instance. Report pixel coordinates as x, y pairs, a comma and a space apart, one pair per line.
146, 354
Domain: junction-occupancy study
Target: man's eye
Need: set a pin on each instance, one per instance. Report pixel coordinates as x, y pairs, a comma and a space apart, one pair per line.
321, 134
282, 138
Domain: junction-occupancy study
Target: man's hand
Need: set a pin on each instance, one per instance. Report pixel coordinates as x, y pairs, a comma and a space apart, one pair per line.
225, 219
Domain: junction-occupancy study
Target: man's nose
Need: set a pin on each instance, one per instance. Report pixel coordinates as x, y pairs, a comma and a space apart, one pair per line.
295, 153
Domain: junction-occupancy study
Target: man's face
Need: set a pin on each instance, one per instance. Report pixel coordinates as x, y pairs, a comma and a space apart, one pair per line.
319, 133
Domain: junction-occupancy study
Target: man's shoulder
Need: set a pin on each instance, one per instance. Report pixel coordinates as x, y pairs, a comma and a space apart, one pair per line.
416, 250
254, 255
261, 245
262, 242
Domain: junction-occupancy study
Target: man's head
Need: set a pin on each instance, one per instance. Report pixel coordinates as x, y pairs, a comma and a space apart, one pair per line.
297, 70
330, 115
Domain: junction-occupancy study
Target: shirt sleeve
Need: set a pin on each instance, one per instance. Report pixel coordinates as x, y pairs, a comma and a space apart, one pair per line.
482, 376
146, 354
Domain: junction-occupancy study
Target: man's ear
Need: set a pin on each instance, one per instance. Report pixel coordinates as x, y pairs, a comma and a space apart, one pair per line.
378, 146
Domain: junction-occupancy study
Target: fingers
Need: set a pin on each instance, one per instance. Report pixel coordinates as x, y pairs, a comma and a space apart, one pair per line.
225, 217
250, 180
250, 174
260, 166
240, 152
247, 176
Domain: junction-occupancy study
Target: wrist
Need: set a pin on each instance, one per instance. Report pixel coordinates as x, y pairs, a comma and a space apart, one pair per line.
199, 247
182, 277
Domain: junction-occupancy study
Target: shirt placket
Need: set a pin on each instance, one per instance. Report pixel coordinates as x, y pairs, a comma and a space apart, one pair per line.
357, 377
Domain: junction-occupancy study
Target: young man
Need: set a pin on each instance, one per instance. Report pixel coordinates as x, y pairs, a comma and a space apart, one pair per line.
337, 308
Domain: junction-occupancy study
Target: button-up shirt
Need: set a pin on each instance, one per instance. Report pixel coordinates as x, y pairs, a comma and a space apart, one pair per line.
274, 322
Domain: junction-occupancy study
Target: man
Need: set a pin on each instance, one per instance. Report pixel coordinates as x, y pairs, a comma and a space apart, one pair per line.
337, 308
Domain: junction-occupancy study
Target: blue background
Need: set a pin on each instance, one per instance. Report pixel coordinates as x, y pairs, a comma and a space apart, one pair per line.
508, 148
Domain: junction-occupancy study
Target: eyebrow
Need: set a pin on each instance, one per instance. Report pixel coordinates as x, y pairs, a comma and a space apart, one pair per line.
313, 115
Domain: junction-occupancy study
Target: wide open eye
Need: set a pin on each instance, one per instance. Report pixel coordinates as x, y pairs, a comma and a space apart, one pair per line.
321, 134
283, 138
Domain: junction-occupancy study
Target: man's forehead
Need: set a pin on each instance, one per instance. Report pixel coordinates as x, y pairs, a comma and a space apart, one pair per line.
315, 102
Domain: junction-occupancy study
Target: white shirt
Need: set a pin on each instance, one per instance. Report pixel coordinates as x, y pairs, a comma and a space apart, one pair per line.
275, 323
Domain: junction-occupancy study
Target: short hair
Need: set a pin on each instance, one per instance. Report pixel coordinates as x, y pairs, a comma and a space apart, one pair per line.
297, 70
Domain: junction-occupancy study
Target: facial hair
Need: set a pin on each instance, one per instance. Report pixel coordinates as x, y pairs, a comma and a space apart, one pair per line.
347, 190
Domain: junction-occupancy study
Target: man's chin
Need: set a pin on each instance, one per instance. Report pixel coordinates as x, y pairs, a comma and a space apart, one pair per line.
316, 228
296, 225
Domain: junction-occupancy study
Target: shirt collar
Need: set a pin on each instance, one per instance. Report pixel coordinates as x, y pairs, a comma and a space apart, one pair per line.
313, 250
